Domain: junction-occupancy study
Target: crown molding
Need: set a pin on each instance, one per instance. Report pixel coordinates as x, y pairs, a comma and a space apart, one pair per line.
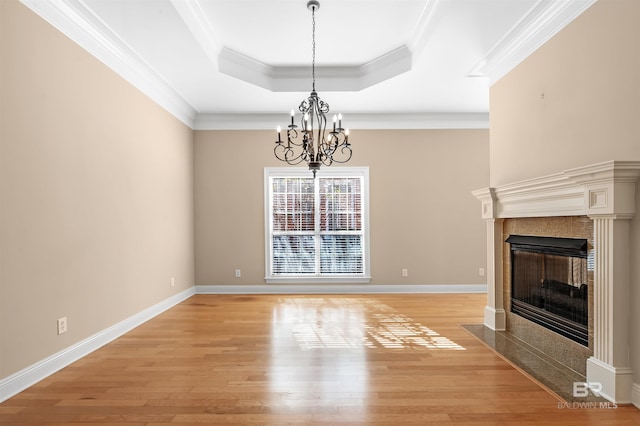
372, 121
191, 13
278, 78
424, 28
545, 19
75, 20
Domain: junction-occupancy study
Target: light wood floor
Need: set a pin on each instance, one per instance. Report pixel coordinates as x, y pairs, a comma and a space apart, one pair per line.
302, 360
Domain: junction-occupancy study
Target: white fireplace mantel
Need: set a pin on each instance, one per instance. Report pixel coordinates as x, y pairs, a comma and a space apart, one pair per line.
606, 193
603, 188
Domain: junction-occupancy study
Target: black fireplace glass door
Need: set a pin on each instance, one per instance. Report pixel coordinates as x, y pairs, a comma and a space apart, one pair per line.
549, 286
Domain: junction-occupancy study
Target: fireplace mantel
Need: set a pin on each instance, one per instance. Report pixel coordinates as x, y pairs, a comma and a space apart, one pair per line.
605, 192
603, 188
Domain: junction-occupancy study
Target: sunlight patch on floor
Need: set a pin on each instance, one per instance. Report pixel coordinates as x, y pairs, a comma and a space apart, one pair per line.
354, 323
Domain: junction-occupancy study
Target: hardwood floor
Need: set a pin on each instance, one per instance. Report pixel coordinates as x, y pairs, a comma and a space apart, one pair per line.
281, 359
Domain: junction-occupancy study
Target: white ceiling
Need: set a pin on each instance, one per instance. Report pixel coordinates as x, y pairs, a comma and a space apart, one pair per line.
237, 64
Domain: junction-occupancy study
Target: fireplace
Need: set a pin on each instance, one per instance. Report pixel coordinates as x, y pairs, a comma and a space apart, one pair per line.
549, 283
605, 194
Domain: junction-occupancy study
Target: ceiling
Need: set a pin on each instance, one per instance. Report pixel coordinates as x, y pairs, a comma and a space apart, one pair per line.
242, 64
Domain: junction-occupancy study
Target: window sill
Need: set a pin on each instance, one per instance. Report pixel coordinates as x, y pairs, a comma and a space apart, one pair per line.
318, 280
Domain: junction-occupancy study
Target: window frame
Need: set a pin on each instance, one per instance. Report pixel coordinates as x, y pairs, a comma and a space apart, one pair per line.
334, 278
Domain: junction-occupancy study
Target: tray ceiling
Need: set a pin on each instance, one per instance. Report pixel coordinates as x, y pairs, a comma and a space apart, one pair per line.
237, 64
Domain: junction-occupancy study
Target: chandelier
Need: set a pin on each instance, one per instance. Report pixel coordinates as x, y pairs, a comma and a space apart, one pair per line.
312, 143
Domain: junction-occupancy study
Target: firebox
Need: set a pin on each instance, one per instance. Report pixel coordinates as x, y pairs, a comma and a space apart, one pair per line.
549, 283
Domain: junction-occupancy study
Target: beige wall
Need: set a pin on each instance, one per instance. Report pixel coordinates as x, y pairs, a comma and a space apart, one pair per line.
590, 112
574, 101
423, 216
95, 194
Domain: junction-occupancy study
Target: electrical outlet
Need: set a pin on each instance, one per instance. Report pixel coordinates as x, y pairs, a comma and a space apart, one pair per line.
62, 325
481, 272
173, 282
405, 273
238, 273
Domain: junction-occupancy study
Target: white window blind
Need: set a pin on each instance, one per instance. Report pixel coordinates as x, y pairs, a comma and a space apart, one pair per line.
316, 228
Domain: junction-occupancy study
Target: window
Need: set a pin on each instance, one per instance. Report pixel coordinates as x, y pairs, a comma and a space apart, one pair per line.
317, 229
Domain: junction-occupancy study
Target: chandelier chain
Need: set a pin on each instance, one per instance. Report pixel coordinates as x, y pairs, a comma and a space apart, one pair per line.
313, 48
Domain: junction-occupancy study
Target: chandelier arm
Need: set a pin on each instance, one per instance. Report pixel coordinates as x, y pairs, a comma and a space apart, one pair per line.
292, 138
346, 151
287, 155
337, 149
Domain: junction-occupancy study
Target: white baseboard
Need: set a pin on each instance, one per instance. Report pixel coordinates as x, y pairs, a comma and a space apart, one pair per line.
17, 382
616, 382
635, 394
495, 319
339, 289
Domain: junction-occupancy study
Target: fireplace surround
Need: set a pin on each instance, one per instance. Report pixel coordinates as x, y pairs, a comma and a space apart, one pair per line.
605, 194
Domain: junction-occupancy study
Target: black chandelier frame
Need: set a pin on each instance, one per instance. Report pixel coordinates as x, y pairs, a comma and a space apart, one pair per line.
311, 142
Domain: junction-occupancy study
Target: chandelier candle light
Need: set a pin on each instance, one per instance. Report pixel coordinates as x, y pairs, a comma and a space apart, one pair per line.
312, 143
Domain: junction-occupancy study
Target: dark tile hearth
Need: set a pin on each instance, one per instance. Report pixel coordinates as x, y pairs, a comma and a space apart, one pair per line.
547, 371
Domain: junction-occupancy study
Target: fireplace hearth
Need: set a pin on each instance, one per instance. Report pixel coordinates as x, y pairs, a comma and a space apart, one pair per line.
549, 283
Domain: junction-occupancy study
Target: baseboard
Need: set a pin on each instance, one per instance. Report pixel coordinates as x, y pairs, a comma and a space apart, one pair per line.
616, 382
495, 319
31, 375
635, 395
339, 289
